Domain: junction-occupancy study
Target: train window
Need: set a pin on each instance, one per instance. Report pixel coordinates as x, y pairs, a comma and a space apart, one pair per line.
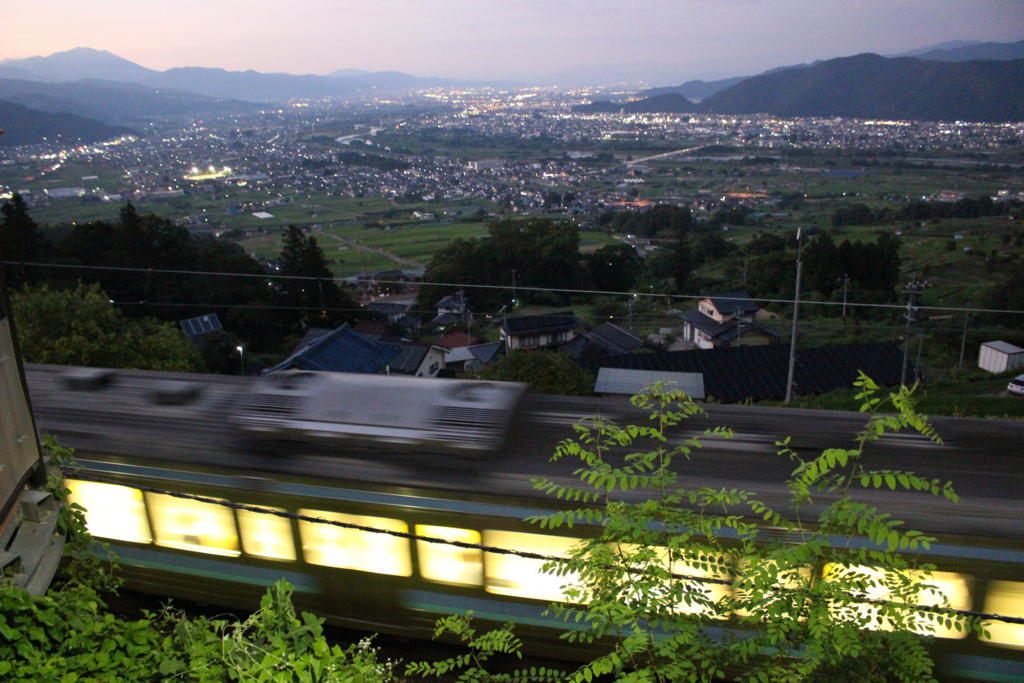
1005, 597
787, 579
266, 536
446, 563
193, 525
939, 589
713, 592
111, 511
522, 577
366, 551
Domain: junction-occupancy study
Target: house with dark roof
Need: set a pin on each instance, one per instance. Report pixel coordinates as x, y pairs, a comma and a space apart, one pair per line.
418, 360
757, 373
390, 311
457, 338
372, 329
538, 331
606, 338
451, 309
340, 350
473, 358
727, 319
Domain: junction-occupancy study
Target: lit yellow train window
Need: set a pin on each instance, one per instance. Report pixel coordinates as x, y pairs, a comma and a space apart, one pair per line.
365, 551
265, 535
522, 577
939, 589
783, 582
193, 525
111, 511
697, 591
1005, 598
446, 563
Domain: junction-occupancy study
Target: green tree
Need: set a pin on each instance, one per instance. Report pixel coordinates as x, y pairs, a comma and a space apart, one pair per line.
547, 372
20, 239
81, 327
614, 267
821, 264
661, 572
542, 253
310, 290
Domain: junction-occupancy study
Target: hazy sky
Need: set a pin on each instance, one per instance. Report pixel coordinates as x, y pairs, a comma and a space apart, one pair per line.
536, 40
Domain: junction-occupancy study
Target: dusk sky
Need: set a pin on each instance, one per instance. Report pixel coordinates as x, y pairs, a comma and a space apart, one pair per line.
659, 41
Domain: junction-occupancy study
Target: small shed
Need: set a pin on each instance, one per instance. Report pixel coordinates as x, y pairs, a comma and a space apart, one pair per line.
1000, 356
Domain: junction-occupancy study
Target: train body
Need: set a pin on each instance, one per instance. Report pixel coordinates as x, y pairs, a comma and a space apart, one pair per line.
454, 416
210, 553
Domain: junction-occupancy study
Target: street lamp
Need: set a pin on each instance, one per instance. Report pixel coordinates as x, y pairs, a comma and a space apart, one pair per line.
241, 356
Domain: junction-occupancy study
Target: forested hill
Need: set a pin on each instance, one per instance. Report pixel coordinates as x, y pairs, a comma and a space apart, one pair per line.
26, 126
871, 86
862, 86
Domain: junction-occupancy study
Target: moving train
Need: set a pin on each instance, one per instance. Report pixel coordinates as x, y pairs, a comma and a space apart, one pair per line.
426, 415
213, 554
202, 551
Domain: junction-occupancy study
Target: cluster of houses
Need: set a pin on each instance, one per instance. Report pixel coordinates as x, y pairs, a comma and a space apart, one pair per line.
729, 352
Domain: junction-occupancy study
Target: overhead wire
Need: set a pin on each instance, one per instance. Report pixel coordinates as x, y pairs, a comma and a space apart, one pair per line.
519, 287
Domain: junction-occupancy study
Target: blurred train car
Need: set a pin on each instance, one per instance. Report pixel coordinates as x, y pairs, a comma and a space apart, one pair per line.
464, 417
211, 553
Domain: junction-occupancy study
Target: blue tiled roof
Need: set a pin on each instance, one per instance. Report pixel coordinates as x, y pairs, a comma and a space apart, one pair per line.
342, 350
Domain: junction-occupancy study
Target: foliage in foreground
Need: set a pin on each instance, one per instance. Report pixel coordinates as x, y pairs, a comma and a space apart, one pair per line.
654, 586
69, 634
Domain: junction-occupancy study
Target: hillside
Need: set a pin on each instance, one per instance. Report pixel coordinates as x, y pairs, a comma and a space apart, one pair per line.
668, 103
26, 126
113, 103
694, 90
870, 86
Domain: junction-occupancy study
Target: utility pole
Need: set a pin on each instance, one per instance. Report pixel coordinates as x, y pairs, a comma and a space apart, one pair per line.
796, 317
912, 291
630, 302
513, 289
963, 338
846, 289
917, 364
739, 326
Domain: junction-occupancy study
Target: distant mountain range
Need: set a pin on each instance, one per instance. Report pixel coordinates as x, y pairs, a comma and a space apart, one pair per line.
863, 86
952, 51
961, 51
872, 86
26, 126
88, 94
87, 63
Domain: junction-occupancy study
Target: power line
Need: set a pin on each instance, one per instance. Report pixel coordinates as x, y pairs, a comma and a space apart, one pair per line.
494, 550
519, 287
